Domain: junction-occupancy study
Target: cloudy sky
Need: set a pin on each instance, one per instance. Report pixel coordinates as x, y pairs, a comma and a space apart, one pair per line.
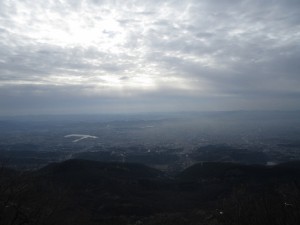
95, 56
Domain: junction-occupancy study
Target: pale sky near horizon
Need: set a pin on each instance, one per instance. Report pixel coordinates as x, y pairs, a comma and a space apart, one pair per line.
90, 56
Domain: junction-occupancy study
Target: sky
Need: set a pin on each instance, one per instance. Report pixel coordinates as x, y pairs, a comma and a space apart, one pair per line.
97, 56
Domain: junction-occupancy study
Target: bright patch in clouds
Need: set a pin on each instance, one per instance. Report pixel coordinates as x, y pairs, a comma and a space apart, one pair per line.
169, 52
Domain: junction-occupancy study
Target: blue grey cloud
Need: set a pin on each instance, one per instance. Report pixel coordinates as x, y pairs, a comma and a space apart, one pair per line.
96, 55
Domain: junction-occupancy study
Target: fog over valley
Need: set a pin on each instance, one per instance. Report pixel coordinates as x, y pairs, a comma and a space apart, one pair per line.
274, 136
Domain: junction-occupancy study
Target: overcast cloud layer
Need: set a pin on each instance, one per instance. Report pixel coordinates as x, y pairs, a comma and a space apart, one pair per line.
93, 56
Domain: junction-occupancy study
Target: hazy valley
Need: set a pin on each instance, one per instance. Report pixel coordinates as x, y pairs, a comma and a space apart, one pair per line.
196, 168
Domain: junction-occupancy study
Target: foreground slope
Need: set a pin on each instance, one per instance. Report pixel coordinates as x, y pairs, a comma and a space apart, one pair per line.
90, 192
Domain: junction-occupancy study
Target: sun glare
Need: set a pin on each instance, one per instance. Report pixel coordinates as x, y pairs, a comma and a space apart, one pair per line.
84, 30
103, 32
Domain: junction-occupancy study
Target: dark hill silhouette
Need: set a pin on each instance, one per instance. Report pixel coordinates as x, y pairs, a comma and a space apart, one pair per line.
78, 167
226, 170
294, 165
113, 177
102, 193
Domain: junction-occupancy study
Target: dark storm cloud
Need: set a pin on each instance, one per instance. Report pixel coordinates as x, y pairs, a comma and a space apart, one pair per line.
106, 54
